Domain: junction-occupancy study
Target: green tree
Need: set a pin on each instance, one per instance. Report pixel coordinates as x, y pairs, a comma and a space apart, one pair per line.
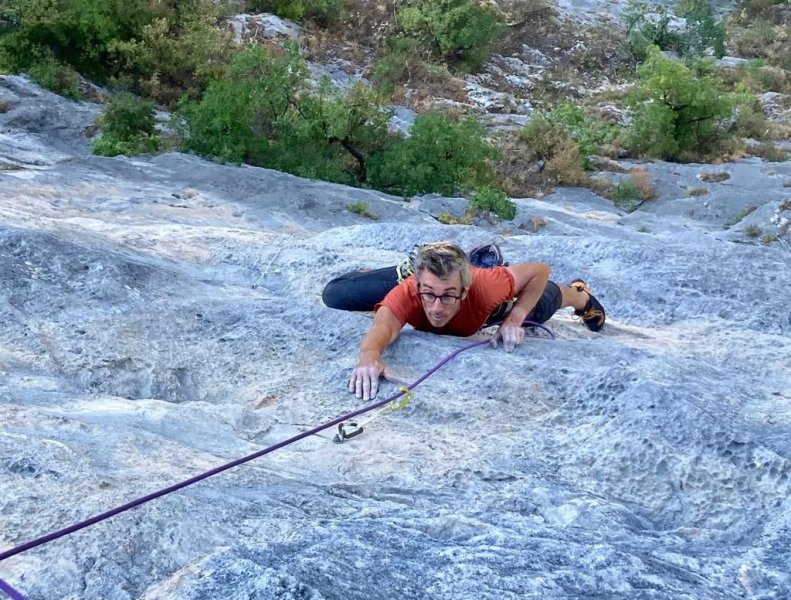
441, 155
238, 117
159, 49
677, 111
262, 114
459, 32
332, 135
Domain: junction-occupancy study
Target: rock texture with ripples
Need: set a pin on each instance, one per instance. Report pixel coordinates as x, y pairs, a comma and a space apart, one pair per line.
162, 316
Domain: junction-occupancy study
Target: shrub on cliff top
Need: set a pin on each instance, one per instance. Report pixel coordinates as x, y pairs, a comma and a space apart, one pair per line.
678, 111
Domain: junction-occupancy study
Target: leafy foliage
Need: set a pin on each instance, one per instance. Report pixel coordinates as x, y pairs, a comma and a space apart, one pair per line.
494, 200
48, 72
565, 139
654, 26
128, 127
678, 111
179, 53
77, 33
262, 114
322, 12
703, 31
402, 58
459, 32
759, 29
626, 193
441, 155
238, 118
332, 135
588, 132
645, 30
551, 143
160, 49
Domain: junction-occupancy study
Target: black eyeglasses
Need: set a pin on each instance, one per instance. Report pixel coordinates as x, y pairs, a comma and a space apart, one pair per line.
446, 299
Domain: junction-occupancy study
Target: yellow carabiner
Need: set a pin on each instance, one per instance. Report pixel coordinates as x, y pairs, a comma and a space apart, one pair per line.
408, 396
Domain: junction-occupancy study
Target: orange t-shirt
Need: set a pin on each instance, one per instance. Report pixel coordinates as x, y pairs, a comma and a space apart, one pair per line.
489, 289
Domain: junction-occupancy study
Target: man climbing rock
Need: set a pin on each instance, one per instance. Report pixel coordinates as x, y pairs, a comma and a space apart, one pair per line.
446, 294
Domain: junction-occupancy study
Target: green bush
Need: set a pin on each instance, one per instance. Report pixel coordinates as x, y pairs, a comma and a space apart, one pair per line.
590, 133
51, 74
322, 12
332, 135
703, 31
178, 55
77, 32
399, 61
494, 200
552, 141
759, 29
756, 77
159, 49
128, 127
542, 135
459, 32
626, 193
262, 114
237, 119
751, 121
644, 31
650, 26
678, 112
441, 155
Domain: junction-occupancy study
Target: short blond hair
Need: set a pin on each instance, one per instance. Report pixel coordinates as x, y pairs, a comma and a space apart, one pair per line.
443, 259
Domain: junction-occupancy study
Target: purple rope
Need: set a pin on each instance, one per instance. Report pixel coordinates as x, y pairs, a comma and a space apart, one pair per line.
525, 324
540, 326
10, 592
14, 595
177, 486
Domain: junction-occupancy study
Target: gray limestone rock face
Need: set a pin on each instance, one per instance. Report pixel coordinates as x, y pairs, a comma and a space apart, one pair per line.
162, 316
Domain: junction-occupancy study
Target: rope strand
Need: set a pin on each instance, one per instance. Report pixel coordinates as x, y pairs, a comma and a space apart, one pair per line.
10, 592
44, 539
192, 480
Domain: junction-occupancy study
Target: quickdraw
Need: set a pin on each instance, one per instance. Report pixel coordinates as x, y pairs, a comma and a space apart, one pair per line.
352, 429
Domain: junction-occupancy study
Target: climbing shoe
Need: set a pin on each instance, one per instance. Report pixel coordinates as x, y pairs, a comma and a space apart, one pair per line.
593, 313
